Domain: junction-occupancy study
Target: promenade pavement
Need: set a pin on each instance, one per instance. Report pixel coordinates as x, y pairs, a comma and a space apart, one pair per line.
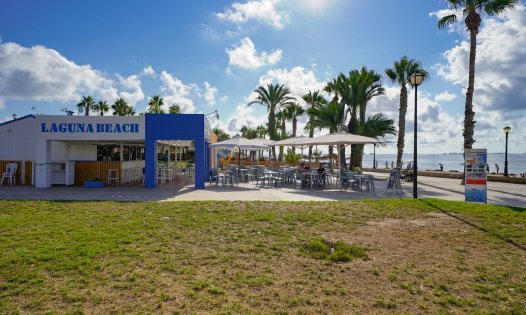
428, 187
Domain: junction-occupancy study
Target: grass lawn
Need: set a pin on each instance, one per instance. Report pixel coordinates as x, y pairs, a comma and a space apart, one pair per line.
401, 255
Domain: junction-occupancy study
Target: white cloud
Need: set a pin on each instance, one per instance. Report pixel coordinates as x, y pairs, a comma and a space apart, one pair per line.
298, 79
261, 10
246, 56
148, 71
2, 104
176, 92
445, 97
223, 99
42, 74
210, 93
133, 83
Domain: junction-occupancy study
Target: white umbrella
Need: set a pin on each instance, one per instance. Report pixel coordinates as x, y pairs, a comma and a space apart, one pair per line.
288, 142
239, 143
339, 138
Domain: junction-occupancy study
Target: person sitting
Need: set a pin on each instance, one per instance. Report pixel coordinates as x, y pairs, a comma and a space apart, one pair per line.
321, 171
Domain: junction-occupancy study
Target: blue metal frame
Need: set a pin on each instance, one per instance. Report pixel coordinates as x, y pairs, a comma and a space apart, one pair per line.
176, 127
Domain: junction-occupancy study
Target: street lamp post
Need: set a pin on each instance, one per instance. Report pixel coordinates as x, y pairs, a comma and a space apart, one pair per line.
374, 156
506, 131
416, 80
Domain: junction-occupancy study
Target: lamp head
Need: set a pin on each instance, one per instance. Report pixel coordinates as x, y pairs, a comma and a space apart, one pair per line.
14, 116
417, 78
507, 130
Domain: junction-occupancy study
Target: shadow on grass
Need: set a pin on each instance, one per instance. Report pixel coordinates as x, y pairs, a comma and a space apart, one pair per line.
480, 228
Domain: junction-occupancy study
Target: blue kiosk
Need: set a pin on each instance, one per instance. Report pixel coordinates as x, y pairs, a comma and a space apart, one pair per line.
193, 127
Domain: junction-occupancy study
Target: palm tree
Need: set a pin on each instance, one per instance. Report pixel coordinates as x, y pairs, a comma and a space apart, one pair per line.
221, 134
292, 112
356, 90
101, 107
155, 105
471, 10
87, 103
312, 99
121, 108
174, 109
328, 116
262, 131
378, 126
399, 74
273, 96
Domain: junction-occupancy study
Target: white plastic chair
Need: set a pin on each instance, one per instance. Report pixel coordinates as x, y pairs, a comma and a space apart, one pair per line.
10, 173
113, 175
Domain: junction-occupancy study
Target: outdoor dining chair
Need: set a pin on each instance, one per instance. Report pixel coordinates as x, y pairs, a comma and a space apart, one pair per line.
10, 173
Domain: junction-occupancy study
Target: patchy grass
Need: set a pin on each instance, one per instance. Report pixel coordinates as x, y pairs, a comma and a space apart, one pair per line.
407, 256
333, 251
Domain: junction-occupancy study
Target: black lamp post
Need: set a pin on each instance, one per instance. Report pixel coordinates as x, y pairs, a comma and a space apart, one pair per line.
15, 116
506, 131
416, 80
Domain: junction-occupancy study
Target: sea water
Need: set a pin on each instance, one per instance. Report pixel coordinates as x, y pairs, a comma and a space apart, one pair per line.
451, 162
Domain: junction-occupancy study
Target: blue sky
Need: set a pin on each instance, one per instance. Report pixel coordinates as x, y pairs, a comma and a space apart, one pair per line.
207, 55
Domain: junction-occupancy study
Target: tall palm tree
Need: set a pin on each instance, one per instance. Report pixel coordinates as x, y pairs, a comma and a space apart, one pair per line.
174, 109
356, 91
399, 74
292, 112
101, 107
88, 103
273, 96
121, 108
312, 99
329, 116
155, 105
471, 10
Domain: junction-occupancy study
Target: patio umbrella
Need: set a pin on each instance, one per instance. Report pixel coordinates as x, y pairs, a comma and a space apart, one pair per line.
339, 138
239, 143
291, 142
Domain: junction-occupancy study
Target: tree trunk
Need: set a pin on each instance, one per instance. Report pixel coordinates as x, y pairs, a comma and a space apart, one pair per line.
472, 24
311, 135
294, 128
401, 126
283, 135
272, 130
353, 128
86, 111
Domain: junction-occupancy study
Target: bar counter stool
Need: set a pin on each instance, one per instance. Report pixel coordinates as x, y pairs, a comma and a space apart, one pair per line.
113, 175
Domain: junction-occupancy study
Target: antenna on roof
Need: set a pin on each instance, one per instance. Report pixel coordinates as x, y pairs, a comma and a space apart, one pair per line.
67, 111
213, 116
34, 109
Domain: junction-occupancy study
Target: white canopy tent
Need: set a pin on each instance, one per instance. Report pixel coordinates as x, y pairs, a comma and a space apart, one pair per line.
237, 143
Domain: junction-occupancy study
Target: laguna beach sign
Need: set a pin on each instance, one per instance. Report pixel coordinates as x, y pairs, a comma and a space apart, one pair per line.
88, 128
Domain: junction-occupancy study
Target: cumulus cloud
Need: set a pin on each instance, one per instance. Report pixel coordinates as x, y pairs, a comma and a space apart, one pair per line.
298, 79
260, 10
210, 93
246, 56
40, 73
445, 97
176, 92
132, 83
148, 71
2, 104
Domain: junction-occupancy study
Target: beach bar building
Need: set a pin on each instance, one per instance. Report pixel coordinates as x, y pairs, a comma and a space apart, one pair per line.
70, 150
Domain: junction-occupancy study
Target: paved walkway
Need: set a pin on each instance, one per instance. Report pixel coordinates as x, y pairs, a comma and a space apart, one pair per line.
444, 188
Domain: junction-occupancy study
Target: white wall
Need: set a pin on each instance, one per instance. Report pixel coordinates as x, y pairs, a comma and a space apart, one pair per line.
17, 140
